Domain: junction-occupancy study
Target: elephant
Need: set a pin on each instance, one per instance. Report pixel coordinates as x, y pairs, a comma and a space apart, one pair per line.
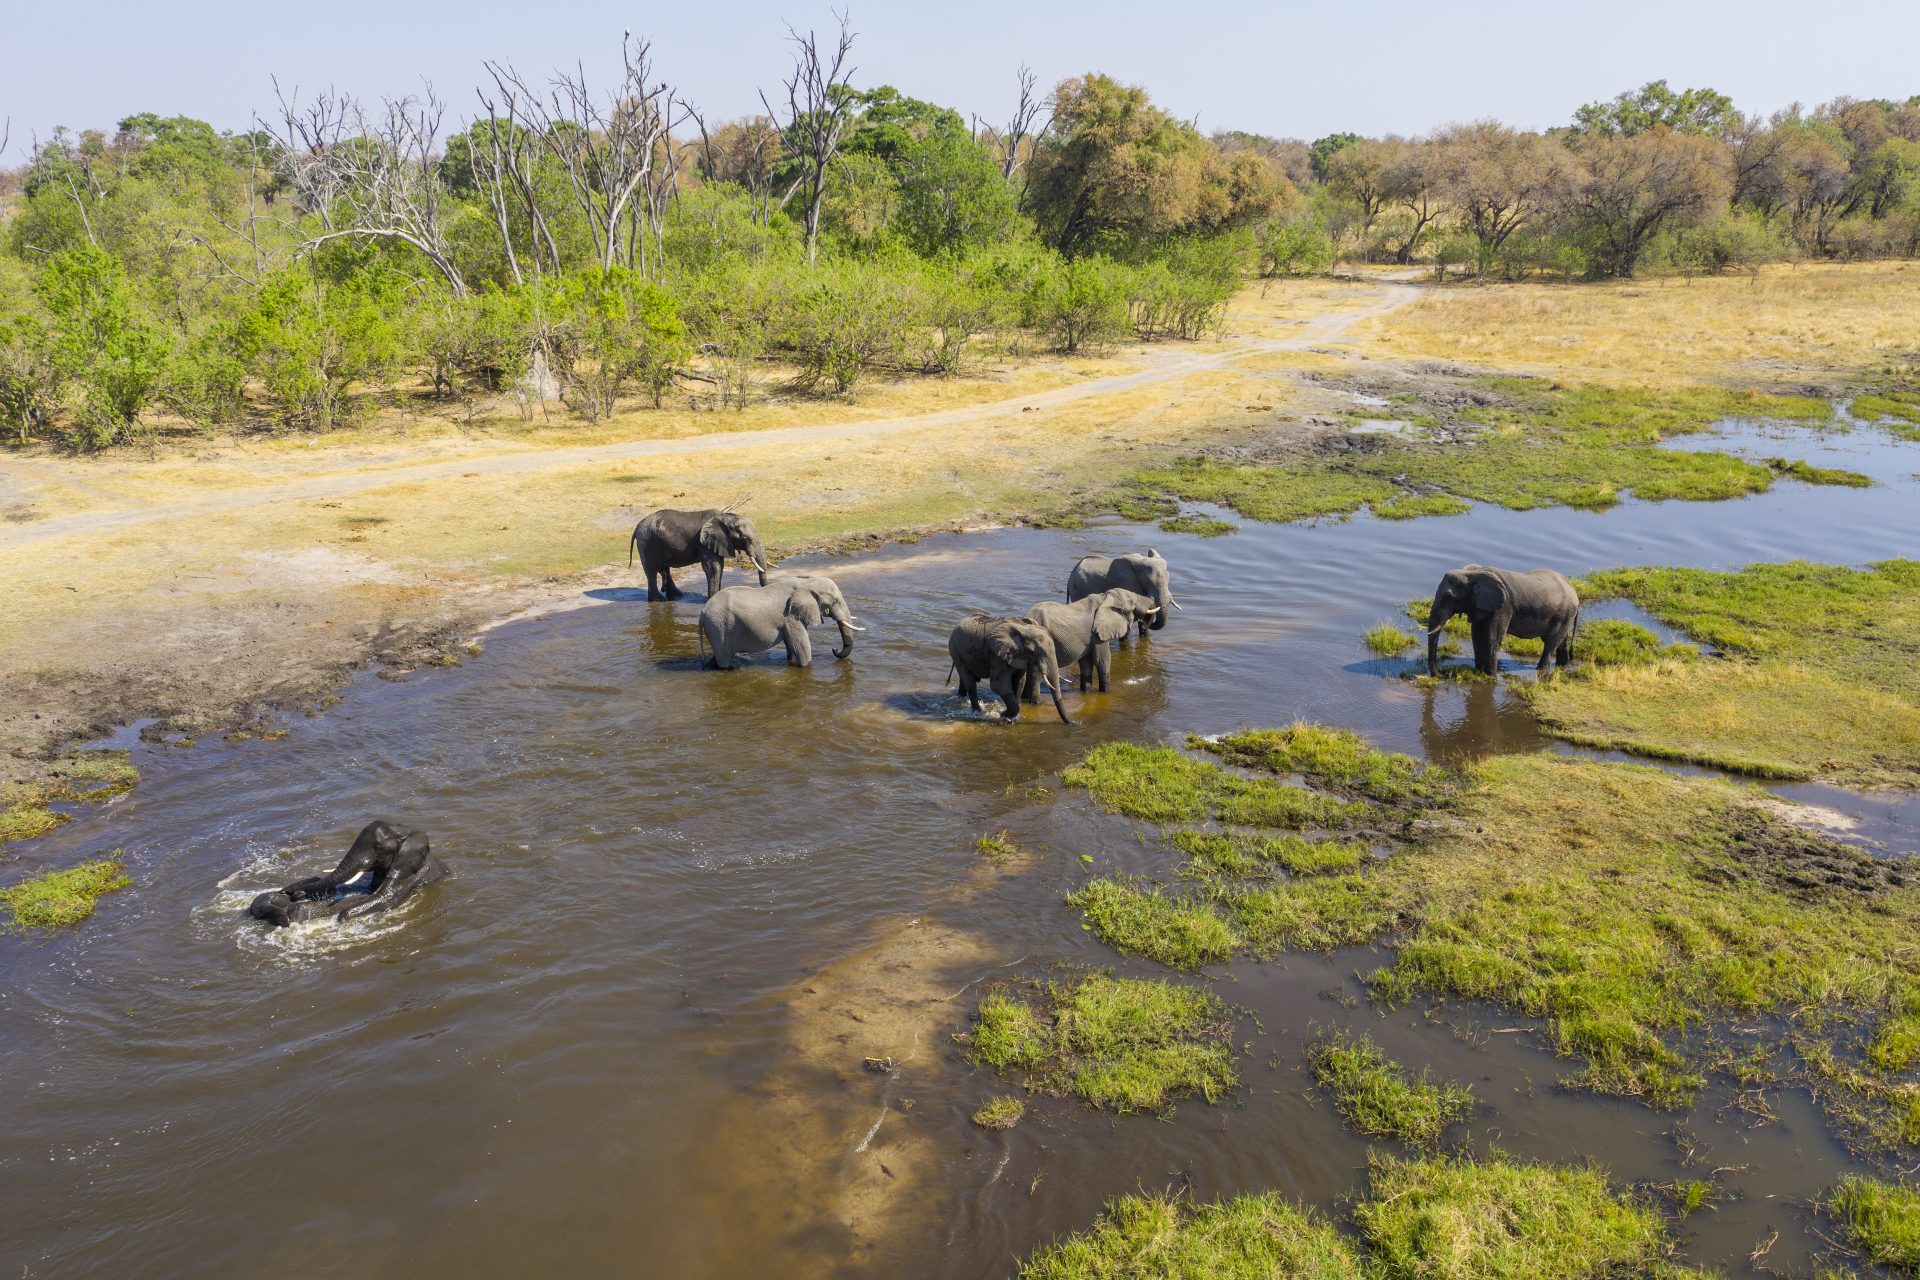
667, 540
1002, 651
741, 620
1144, 575
1082, 630
1538, 604
381, 871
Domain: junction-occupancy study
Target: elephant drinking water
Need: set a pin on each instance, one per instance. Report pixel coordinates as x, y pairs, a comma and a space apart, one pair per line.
1145, 575
741, 620
1538, 603
667, 540
1002, 651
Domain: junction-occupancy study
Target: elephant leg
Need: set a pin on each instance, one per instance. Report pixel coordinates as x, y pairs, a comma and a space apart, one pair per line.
714, 574
1087, 666
971, 688
799, 645
672, 592
1496, 639
653, 584
1006, 683
1030, 687
1102, 664
1485, 659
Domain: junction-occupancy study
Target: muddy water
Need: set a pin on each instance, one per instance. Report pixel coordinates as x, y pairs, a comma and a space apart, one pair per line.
629, 1036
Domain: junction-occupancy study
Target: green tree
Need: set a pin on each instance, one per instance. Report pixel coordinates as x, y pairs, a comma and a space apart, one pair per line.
1321, 153
619, 329
99, 350
1655, 106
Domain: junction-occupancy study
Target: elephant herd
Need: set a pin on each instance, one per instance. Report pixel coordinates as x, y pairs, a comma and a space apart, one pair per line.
1107, 600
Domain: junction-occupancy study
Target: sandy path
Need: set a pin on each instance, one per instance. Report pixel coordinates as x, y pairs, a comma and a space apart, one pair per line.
1318, 330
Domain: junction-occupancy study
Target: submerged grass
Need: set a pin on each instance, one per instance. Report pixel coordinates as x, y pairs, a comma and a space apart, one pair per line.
1000, 1113
1880, 1220
85, 777
61, 899
1387, 640
1160, 784
1377, 1097
1821, 680
1250, 855
1201, 526
1623, 906
1546, 446
1425, 1219
1123, 1044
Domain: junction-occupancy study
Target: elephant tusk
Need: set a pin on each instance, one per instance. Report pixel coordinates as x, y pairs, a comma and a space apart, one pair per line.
1435, 630
849, 626
1176, 604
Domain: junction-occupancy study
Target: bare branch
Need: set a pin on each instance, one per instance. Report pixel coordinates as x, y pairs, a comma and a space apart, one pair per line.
819, 105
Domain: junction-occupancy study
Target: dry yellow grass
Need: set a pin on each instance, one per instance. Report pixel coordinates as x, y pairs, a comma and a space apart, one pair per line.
1787, 325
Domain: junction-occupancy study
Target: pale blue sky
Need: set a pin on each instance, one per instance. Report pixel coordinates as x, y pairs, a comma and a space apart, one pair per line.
1281, 67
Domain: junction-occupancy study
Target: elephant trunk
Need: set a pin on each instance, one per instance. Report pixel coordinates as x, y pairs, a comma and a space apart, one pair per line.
758, 554
1163, 606
1051, 667
846, 635
1437, 618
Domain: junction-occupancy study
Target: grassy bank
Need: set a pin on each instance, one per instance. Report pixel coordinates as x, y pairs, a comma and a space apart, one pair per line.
1816, 677
1631, 911
1433, 1219
61, 899
1534, 445
88, 777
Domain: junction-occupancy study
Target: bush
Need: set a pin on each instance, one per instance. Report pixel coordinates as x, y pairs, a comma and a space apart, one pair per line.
616, 328
1294, 244
107, 359
1081, 305
849, 320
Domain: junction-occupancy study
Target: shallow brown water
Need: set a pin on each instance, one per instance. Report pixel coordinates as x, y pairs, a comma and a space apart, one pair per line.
628, 1036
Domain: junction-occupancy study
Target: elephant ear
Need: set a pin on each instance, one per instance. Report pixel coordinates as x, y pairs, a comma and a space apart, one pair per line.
1489, 592
1004, 644
805, 606
1110, 620
713, 539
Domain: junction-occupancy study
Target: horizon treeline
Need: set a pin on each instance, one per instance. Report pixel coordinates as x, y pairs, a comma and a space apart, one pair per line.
607, 247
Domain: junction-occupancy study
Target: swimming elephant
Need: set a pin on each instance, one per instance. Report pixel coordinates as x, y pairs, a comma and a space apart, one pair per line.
1143, 574
1538, 604
667, 540
386, 864
1002, 651
741, 620
1082, 630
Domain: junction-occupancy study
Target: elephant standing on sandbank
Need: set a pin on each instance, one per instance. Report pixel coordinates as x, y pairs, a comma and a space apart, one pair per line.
1082, 630
667, 539
1537, 604
739, 620
1002, 651
1145, 575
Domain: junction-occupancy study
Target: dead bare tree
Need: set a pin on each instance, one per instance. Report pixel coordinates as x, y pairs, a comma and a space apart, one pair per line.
610, 149
372, 177
506, 169
819, 105
745, 152
1026, 124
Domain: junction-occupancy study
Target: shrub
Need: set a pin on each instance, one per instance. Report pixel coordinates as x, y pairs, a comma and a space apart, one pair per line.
1081, 305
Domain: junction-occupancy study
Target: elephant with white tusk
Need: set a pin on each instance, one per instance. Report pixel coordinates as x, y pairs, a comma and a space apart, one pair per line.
1003, 651
1538, 604
741, 620
667, 540
1082, 630
1145, 575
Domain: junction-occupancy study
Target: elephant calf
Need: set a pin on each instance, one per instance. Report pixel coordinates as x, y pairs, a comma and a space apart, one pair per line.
1002, 651
741, 620
1082, 630
386, 864
1145, 575
667, 540
1538, 604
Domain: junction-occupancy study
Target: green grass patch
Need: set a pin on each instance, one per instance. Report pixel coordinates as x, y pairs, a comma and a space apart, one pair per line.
1199, 526
1123, 1044
1182, 932
1000, 1113
1897, 411
1161, 784
1823, 682
1807, 473
1165, 1237
997, 847
1585, 447
1388, 640
1880, 1220
1335, 758
1424, 1219
1377, 1097
1314, 914
1244, 855
61, 899
1503, 1219
85, 777
1411, 506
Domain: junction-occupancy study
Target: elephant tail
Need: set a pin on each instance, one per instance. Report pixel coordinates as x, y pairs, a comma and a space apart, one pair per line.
633, 545
948, 678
